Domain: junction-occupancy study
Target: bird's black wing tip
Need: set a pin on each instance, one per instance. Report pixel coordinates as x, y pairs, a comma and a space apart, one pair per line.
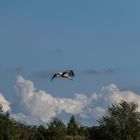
53, 77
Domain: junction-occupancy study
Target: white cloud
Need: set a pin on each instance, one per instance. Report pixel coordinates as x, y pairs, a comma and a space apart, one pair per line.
5, 104
32, 104
40, 104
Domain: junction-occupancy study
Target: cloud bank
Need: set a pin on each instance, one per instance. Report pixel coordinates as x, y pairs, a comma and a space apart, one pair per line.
35, 106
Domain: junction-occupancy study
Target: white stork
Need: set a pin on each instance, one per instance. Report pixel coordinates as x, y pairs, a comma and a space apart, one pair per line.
69, 74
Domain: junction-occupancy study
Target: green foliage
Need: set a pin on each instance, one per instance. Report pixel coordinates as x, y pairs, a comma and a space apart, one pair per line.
75, 131
56, 130
121, 122
8, 129
37, 133
72, 128
96, 133
78, 137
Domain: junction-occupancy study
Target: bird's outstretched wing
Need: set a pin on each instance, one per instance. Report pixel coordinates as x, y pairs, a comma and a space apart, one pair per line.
68, 73
71, 73
55, 75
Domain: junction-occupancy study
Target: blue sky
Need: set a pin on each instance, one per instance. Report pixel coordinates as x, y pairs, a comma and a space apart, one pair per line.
99, 40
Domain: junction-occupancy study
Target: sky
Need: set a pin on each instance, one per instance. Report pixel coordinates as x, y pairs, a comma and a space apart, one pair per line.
99, 40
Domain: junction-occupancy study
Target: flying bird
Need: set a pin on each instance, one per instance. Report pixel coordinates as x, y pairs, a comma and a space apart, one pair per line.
69, 74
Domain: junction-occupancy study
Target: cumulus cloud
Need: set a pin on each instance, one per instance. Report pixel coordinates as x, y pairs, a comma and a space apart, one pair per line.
42, 105
32, 104
5, 104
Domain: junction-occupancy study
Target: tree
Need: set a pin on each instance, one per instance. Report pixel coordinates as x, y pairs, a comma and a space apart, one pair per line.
72, 128
56, 130
96, 133
121, 122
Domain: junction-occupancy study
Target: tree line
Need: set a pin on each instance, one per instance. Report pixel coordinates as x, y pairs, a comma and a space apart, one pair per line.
120, 122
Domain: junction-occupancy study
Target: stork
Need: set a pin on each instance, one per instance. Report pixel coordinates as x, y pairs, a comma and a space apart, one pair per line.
69, 74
